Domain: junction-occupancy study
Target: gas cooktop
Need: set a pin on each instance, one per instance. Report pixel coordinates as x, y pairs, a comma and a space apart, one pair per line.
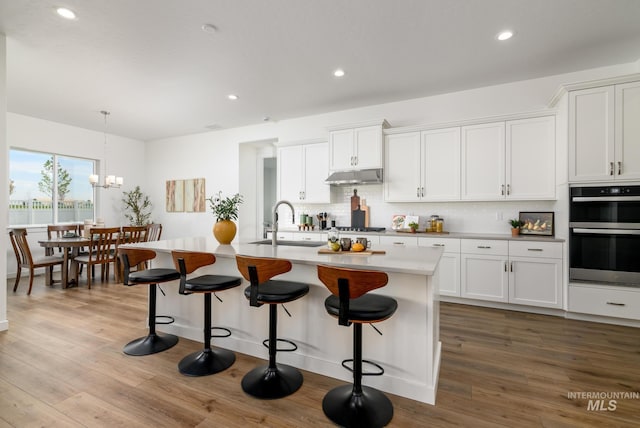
360, 229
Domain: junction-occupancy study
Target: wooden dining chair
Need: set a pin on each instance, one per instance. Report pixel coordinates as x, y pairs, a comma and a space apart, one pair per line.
102, 251
154, 230
58, 231
130, 235
24, 259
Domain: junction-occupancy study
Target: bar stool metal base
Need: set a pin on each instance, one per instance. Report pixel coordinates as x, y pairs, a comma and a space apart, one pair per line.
151, 344
206, 362
268, 383
348, 409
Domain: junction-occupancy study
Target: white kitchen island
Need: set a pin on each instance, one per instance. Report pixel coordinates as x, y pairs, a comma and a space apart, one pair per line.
409, 349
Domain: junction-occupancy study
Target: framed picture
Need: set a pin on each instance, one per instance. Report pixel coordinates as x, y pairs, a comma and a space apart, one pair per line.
175, 196
536, 223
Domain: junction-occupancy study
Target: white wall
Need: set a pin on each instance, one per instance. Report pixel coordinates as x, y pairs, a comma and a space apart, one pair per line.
216, 155
125, 157
4, 179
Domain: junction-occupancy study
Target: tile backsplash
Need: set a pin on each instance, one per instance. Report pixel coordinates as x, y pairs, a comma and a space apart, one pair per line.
459, 216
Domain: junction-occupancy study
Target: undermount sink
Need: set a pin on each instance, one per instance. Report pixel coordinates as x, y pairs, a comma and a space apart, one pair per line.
291, 243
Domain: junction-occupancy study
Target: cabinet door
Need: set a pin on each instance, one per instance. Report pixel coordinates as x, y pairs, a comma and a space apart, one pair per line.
441, 164
450, 274
535, 282
368, 147
591, 134
341, 156
483, 159
402, 167
531, 158
627, 151
484, 277
290, 167
316, 170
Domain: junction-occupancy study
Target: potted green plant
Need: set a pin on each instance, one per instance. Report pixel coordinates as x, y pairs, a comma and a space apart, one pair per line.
137, 207
413, 226
515, 226
225, 209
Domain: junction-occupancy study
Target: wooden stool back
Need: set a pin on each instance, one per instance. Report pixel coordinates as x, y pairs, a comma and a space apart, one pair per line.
188, 261
266, 267
360, 281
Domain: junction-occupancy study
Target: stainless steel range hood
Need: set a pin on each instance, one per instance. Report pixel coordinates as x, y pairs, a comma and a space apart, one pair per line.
364, 176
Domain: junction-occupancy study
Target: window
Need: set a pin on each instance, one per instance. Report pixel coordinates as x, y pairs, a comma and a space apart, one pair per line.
32, 178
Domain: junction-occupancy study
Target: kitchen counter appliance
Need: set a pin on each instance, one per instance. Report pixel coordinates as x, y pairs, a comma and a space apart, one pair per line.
604, 235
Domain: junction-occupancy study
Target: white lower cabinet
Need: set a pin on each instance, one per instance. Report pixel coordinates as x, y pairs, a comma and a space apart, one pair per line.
484, 270
449, 263
518, 272
608, 301
535, 273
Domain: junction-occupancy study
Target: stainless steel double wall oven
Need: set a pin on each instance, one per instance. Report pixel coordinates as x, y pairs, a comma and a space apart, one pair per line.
604, 235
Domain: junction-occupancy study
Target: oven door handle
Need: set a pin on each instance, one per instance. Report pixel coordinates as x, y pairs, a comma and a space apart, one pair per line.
607, 231
605, 199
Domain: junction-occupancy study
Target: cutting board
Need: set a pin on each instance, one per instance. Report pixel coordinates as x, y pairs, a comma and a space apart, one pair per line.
358, 218
364, 253
365, 208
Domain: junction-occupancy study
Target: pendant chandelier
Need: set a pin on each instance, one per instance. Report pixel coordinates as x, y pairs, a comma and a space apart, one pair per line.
110, 181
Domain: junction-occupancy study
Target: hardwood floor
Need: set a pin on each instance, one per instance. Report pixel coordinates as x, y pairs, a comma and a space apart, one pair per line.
61, 364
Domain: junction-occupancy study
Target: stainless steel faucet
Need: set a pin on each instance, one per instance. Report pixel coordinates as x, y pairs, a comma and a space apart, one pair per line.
274, 229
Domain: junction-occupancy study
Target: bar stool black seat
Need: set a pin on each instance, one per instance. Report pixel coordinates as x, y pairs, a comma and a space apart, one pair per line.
273, 380
208, 361
153, 342
357, 405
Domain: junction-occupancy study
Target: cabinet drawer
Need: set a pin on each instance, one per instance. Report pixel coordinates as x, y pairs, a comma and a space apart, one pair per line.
450, 245
484, 246
286, 236
605, 301
309, 236
399, 240
549, 250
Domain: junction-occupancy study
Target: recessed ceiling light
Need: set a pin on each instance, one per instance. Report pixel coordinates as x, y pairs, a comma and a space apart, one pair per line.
209, 28
504, 35
338, 73
66, 13
232, 97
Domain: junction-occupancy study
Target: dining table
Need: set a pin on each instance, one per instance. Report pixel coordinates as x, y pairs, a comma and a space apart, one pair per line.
70, 247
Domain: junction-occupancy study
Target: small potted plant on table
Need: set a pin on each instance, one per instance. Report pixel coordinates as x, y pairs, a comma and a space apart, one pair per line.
413, 226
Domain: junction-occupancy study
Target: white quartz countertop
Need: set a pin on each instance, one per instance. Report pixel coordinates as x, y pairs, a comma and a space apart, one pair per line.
400, 259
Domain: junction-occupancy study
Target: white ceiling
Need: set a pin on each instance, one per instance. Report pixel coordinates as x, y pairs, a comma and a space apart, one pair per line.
149, 63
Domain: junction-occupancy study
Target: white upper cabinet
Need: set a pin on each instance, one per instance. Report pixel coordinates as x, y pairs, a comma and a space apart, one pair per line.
422, 166
403, 165
604, 133
302, 170
591, 134
356, 148
483, 157
513, 160
627, 147
530, 158
441, 164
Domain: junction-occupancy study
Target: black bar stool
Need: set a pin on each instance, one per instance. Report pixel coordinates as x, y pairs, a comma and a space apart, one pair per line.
208, 361
357, 405
153, 342
273, 380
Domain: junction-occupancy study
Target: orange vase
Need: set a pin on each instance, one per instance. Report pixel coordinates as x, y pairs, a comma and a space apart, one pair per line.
224, 231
